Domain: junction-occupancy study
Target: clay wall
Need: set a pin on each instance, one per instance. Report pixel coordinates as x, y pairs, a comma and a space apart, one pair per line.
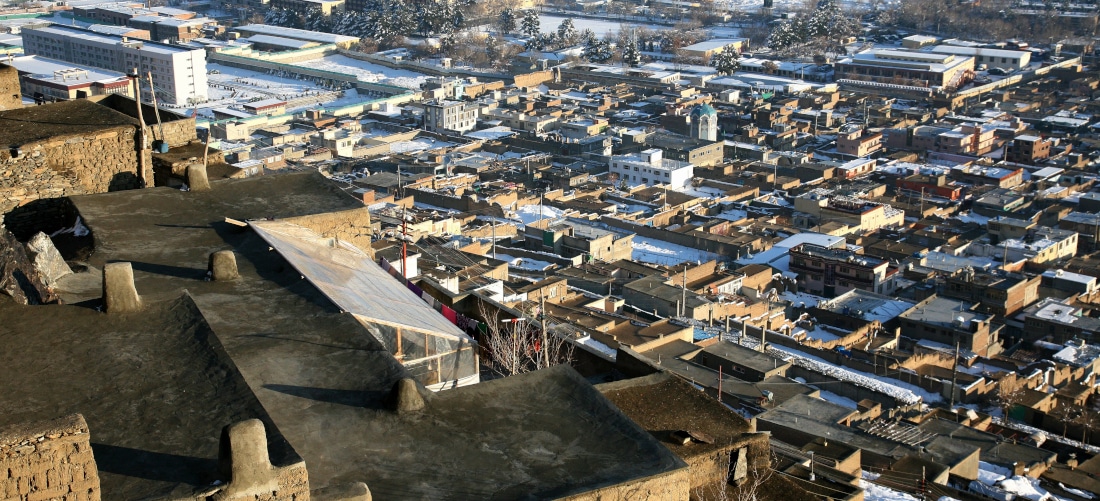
10, 95
48, 460
672, 486
353, 226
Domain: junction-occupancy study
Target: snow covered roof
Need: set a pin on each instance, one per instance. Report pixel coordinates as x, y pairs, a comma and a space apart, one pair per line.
64, 72
313, 36
716, 43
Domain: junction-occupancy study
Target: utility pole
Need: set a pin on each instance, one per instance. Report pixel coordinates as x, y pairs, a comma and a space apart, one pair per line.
404, 244
684, 291
542, 319
954, 374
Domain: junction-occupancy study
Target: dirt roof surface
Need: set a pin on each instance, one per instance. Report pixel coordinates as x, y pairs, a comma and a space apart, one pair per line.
35, 123
663, 404
324, 379
156, 388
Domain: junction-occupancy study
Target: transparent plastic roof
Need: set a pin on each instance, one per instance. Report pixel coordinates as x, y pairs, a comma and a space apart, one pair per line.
352, 280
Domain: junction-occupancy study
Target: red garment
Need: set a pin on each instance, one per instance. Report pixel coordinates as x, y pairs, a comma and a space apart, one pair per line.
450, 314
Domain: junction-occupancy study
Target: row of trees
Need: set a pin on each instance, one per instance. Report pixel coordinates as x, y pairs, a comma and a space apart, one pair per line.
823, 30
385, 20
992, 20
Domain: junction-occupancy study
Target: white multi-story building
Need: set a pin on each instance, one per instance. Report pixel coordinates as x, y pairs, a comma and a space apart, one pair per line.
179, 73
650, 168
457, 116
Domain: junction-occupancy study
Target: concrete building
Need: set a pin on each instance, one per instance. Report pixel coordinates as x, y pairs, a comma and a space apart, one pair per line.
996, 293
918, 69
457, 116
40, 77
327, 7
570, 238
932, 185
170, 29
179, 73
949, 321
824, 206
650, 168
693, 151
992, 58
831, 272
858, 142
1059, 321
1040, 245
1029, 149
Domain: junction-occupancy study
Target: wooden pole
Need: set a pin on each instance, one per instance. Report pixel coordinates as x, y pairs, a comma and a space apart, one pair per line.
136, 78
156, 107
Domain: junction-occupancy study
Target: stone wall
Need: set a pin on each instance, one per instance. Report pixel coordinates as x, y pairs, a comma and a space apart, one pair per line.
34, 183
10, 95
48, 461
178, 130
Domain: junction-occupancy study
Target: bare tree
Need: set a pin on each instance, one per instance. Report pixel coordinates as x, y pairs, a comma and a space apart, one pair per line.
515, 346
1065, 414
747, 488
1008, 396
1087, 418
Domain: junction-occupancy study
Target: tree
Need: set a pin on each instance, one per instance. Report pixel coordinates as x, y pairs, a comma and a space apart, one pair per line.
786, 35
492, 50
1008, 396
1065, 414
317, 21
507, 21
1087, 418
631, 55
747, 488
530, 26
770, 67
515, 346
567, 34
598, 51
728, 61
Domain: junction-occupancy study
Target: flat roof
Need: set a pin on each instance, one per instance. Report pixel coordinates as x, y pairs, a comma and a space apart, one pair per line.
61, 71
716, 43
945, 312
980, 51
279, 31
92, 36
662, 404
35, 123
279, 41
156, 388
748, 357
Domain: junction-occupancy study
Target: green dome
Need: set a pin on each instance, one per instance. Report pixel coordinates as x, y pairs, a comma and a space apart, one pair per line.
703, 109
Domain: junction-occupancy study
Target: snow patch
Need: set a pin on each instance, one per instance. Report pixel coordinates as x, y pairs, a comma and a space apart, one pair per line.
651, 250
